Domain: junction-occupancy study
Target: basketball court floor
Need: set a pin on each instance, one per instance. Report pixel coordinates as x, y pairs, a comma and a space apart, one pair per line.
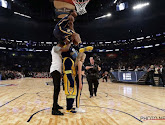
28, 101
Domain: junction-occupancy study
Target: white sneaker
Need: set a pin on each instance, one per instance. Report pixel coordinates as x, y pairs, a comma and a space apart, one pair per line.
80, 110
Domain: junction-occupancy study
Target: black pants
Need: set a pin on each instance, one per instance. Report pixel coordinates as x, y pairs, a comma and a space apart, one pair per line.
56, 75
91, 82
150, 77
105, 78
69, 103
161, 77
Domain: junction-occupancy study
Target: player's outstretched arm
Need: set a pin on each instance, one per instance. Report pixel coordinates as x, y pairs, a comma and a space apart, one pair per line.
71, 22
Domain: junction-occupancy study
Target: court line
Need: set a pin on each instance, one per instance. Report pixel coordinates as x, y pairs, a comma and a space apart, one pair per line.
88, 106
143, 103
115, 110
36, 113
12, 100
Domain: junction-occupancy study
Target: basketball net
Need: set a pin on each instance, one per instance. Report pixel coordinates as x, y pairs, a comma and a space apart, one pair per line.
80, 6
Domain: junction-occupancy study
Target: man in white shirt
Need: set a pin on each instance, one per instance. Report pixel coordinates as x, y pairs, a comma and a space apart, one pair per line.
55, 70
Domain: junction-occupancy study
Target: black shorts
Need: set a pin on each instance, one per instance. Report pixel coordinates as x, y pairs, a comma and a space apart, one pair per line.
62, 33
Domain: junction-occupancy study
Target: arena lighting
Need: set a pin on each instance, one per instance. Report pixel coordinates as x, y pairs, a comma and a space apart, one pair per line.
158, 34
139, 47
139, 6
116, 49
115, 1
48, 42
38, 50
4, 3
101, 50
109, 50
18, 41
22, 15
107, 42
108, 15
11, 40
30, 50
123, 40
9, 48
140, 38
148, 37
157, 44
2, 47
148, 46
25, 41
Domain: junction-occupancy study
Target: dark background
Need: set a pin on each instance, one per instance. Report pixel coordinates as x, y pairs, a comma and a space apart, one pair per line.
122, 25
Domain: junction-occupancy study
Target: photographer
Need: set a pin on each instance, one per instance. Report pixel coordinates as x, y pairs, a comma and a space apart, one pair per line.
93, 74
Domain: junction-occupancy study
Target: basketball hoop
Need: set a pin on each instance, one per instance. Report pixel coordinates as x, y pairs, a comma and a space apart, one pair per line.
80, 6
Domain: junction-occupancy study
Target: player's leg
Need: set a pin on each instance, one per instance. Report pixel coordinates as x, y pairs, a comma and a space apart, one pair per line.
76, 38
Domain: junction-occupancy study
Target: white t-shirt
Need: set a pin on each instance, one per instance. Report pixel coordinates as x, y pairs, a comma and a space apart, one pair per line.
56, 59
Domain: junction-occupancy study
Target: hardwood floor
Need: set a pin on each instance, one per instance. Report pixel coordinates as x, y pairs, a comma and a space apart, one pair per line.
115, 104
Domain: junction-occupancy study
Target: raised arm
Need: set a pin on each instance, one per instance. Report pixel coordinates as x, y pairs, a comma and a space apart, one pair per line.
71, 22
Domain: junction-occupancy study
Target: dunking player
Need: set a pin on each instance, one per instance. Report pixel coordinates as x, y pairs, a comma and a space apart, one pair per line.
64, 29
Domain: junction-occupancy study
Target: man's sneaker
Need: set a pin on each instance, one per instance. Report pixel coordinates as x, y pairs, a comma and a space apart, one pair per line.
80, 110
57, 113
70, 111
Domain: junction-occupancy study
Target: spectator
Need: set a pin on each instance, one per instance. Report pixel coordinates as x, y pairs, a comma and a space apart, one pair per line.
150, 75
